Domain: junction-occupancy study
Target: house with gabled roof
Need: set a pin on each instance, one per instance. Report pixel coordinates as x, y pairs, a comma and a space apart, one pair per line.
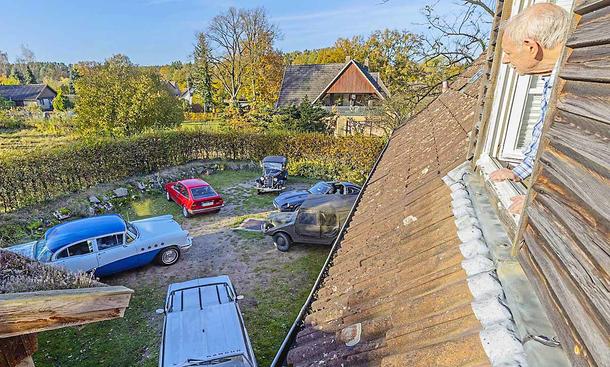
431, 268
348, 89
31, 94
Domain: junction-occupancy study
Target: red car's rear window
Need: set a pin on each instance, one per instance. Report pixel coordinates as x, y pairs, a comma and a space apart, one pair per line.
203, 192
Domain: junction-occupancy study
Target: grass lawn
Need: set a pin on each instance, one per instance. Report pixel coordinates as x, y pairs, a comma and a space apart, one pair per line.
275, 285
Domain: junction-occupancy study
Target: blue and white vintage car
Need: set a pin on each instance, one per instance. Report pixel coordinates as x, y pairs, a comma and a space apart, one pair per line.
107, 244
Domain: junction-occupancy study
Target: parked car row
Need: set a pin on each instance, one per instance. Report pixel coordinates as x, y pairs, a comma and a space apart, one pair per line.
203, 324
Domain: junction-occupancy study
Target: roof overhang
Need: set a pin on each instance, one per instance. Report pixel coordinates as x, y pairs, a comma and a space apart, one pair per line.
339, 75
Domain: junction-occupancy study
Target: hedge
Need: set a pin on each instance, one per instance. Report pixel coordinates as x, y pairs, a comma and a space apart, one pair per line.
48, 173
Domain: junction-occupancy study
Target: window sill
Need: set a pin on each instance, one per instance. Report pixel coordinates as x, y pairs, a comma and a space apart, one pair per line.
500, 193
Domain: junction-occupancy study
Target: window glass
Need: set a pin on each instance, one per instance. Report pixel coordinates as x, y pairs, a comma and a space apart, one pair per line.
320, 188
202, 192
81, 248
307, 218
531, 112
181, 189
107, 242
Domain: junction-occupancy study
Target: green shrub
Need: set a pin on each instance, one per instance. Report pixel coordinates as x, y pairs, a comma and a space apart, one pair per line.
47, 173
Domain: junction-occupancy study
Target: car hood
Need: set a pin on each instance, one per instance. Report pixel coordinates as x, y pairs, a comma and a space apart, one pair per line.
205, 334
278, 219
156, 226
25, 249
291, 197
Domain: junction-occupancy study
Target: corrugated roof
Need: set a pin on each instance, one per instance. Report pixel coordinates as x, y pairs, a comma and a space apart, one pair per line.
22, 92
396, 294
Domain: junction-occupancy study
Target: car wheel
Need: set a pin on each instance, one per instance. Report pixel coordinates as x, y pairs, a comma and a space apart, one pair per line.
167, 196
185, 212
282, 241
168, 256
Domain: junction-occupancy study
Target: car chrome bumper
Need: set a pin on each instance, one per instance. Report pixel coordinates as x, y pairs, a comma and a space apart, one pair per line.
188, 244
206, 209
271, 189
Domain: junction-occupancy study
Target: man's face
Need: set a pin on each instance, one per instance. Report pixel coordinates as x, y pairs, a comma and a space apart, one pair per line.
521, 57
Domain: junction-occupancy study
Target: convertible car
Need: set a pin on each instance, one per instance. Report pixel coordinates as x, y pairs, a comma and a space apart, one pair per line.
291, 200
203, 326
318, 221
194, 195
107, 244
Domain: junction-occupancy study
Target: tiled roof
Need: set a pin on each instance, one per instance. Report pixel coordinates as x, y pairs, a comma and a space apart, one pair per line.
22, 92
309, 81
300, 81
396, 294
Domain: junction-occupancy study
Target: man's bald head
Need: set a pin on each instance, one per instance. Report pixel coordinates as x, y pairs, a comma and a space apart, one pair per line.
534, 36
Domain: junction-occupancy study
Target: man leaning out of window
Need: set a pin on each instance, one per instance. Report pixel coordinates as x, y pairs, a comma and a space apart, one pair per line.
532, 43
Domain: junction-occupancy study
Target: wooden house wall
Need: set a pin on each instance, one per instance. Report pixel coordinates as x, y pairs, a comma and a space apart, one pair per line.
567, 248
352, 81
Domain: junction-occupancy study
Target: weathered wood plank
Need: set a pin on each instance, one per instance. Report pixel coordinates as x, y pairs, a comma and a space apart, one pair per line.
592, 152
580, 254
585, 319
13, 351
583, 7
588, 64
585, 193
593, 29
571, 342
591, 100
25, 313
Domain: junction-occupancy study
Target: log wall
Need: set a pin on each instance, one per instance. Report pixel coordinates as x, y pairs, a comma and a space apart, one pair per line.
566, 233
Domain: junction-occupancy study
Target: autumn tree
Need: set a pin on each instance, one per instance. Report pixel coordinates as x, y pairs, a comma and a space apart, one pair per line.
238, 39
117, 98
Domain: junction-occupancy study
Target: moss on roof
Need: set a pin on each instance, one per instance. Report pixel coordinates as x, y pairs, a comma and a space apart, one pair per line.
20, 274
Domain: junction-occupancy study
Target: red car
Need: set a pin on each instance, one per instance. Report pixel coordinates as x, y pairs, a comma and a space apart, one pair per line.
194, 196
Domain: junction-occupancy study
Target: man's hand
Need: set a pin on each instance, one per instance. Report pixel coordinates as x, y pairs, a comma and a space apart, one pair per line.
503, 174
516, 206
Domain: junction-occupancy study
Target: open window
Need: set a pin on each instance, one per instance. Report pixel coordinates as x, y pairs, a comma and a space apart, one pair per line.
515, 109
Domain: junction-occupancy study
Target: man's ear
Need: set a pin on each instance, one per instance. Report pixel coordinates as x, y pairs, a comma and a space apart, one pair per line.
533, 48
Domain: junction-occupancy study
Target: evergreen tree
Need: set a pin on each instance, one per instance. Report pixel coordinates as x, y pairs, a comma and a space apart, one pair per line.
201, 76
28, 76
16, 74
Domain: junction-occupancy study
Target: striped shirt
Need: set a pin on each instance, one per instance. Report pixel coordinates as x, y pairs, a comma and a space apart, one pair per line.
524, 169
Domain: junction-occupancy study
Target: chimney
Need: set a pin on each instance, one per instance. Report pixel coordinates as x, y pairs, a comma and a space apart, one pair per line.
348, 58
445, 86
366, 62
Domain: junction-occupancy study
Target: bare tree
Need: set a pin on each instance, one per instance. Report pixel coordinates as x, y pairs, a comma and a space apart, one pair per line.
459, 37
5, 66
235, 39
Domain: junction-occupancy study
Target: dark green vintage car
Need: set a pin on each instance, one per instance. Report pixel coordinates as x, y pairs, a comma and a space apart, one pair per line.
318, 221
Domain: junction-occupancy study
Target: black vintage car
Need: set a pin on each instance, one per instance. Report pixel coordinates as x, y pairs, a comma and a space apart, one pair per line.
289, 201
317, 221
274, 175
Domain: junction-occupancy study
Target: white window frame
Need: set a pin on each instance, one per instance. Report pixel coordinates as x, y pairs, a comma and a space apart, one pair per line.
505, 121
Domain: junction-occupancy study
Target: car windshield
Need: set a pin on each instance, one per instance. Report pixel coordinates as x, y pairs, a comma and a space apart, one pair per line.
41, 252
319, 188
203, 192
273, 166
131, 228
238, 360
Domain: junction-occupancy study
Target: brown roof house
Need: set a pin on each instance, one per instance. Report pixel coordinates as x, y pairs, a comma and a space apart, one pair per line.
349, 89
27, 95
35, 297
432, 270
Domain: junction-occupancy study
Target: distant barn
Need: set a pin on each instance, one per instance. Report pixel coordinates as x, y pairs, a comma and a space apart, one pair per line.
28, 95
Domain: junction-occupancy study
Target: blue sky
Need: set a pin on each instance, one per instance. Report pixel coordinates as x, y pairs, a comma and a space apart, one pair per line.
153, 32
